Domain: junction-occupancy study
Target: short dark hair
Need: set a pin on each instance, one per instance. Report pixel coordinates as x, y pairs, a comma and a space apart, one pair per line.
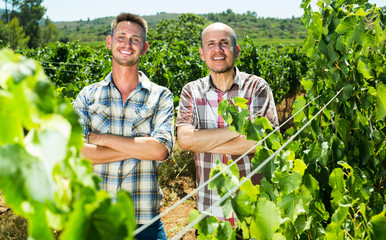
130, 18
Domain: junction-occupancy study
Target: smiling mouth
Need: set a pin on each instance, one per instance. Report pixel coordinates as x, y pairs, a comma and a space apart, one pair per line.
126, 52
218, 58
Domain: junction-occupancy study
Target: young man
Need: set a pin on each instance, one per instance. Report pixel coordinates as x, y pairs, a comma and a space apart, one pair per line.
128, 124
201, 130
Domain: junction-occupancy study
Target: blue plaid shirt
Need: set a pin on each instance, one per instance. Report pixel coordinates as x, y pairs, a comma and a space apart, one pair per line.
147, 111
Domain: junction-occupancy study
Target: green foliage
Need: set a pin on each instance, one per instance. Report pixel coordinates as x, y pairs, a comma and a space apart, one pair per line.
186, 28
24, 26
173, 65
329, 184
259, 28
31, 12
13, 34
49, 32
42, 175
72, 66
282, 67
84, 30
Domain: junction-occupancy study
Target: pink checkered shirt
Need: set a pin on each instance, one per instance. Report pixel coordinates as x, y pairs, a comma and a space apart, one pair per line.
198, 108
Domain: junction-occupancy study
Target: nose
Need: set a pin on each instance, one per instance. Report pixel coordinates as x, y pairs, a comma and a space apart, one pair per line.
218, 47
127, 43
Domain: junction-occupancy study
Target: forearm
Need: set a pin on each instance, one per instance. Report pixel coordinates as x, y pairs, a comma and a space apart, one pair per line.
236, 146
203, 140
143, 148
101, 154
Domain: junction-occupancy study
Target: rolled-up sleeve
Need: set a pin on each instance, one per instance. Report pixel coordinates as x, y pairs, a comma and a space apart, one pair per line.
263, 103
186, 110
163, 121
80, 107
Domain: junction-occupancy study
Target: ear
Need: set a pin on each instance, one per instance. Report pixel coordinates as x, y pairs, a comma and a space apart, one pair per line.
237, 51
108, 42
145, 48
201, 51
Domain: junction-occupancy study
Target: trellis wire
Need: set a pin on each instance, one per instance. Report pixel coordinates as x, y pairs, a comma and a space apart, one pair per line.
216, 204
140, 229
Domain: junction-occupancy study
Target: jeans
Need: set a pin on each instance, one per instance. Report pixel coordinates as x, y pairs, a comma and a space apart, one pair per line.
155, 231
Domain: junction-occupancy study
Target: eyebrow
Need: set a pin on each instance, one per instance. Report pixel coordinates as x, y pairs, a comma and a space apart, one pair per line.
221, 40
124, 33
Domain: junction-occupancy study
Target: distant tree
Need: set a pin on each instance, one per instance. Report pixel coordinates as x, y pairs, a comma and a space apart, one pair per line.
251, 14
16, 35
14, 6
187, 28
49, 32
6, 10
64, 39
31, 12
3, 34
228, 11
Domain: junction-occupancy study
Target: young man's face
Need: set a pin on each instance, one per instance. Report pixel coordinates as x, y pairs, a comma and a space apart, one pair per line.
217, 50
127, 44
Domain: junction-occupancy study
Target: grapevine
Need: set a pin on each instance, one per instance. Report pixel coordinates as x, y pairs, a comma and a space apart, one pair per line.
329, 184
42, 175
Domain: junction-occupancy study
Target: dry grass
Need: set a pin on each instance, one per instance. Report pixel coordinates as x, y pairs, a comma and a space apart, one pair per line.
178, 218
11, 226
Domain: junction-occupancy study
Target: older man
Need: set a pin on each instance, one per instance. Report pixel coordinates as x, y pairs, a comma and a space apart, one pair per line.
199, 127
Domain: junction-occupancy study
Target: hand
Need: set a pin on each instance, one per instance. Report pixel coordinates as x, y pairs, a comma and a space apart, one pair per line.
94, 138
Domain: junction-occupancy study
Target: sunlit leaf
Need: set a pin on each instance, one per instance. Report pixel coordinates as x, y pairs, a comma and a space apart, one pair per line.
336, 180
299, 104
363, 68
299, 166
378, 222
381, 101
242, 205
224, 231
292, 205
265, 220
241, 102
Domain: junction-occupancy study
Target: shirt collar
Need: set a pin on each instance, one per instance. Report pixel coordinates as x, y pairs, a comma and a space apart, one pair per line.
144, 81
209, 84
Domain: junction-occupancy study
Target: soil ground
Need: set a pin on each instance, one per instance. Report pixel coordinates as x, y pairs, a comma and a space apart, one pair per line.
178, 218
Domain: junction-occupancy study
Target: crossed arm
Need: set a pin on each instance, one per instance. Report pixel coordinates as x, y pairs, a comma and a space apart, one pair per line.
105, 148
219, 140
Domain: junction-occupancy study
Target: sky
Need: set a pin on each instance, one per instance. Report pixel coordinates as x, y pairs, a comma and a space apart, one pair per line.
72, 10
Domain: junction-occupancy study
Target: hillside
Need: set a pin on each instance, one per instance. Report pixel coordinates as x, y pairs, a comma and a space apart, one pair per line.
248, 24
97, 29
